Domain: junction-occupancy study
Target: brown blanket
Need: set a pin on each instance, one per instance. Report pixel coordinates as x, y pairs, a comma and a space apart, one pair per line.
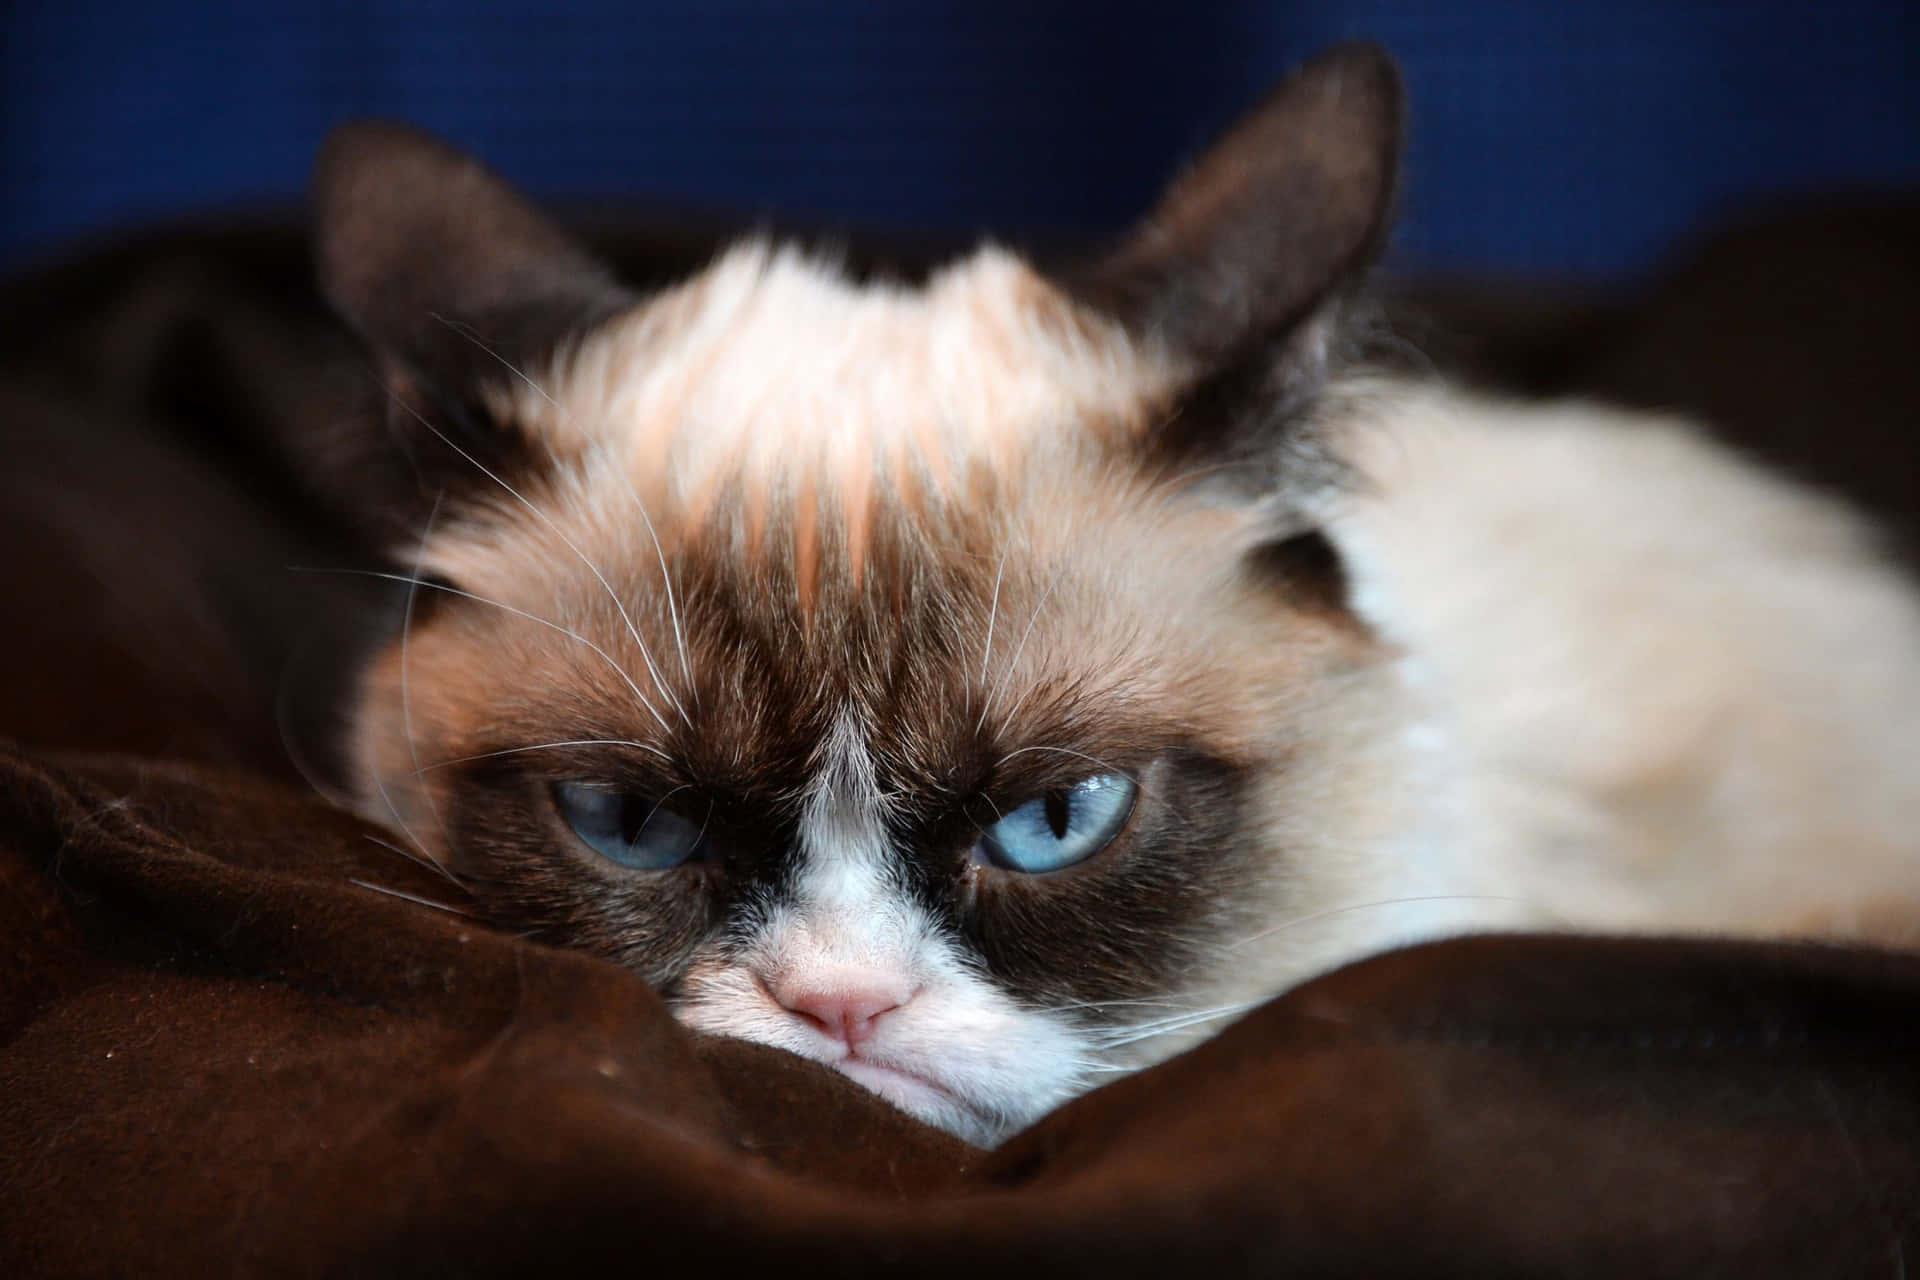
241, 1034
231, 1045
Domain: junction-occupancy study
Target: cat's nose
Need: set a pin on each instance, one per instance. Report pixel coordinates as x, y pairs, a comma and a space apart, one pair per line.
844, 1004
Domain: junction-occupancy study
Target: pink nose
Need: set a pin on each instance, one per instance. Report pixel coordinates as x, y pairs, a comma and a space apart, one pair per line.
844, 1004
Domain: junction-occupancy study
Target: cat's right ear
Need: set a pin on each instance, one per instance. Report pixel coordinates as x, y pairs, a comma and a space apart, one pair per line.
457, 285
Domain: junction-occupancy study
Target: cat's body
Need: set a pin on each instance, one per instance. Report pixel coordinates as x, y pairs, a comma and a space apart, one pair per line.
990, 686
1669, 690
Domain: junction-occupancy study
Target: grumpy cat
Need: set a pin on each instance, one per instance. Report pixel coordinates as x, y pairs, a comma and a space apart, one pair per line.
988, 685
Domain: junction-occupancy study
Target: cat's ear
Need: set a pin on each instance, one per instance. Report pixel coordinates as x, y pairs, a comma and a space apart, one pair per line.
455, 282
416, 242
1276, 220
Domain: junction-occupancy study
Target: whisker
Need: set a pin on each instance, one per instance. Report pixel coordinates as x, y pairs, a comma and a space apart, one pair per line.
1018, 703
1182, 478
406, 703
666, 577
467, 331
646, 655
661, 803
1155, 1025
296, 754
420, 861
1068, 751
1014, 662
393, 810
549, 746
379, 784
409, 897
1367, 906
993, 611
1178, 1022
452, 590
1081, 1005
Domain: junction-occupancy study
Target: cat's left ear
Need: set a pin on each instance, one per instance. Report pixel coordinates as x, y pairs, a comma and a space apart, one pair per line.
1251, 249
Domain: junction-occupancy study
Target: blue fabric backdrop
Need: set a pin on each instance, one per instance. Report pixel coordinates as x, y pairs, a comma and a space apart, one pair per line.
1575, 136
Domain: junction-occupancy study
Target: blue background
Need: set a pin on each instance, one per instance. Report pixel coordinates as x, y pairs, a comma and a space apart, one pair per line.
1574, 137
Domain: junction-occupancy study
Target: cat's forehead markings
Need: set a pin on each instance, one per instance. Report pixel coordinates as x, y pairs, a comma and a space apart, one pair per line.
770, 375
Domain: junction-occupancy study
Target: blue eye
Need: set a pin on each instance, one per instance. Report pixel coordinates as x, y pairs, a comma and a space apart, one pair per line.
627, 829
1062, 827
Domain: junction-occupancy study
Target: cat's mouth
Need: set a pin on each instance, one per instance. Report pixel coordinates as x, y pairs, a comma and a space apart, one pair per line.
921, 1097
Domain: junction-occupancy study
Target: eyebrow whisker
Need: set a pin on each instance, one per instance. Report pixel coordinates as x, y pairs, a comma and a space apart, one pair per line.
452, 590
410, 897
646, 654
548, 746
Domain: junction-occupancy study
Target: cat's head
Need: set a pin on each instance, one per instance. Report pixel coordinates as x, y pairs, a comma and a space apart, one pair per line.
941, 682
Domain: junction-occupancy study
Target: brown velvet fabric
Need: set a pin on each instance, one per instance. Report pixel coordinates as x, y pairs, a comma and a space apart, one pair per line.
227, 1046
219, 1054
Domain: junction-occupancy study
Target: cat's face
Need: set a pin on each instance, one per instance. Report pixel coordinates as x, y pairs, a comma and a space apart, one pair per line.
907, 678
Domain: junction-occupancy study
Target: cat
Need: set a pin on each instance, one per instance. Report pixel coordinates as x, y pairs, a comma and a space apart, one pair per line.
990, 686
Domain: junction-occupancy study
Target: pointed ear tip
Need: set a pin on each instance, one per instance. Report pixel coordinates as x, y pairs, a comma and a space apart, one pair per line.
339, 191
1369, 64
1370, 54
1349, 95
353, 147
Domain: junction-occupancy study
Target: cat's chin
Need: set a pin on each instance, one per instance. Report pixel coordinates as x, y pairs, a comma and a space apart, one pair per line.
924, 1100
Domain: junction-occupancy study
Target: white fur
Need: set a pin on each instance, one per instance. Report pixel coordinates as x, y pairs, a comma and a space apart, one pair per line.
1679, 691
988, 1066
771, 370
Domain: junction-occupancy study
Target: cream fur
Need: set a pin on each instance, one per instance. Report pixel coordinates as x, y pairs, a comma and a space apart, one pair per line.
1681, 693
772, 372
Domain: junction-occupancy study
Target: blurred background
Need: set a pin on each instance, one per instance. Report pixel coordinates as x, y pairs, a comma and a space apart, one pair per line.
172, 404
1574, 138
